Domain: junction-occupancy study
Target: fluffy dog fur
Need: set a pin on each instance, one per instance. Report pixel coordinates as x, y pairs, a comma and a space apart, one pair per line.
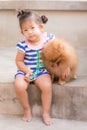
57, 56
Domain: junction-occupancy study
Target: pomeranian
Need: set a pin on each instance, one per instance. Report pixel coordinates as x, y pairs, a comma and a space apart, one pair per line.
58, 55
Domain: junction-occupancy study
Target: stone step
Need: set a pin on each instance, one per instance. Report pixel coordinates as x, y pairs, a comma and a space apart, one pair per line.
67, 20
8, 67
8, 122
68, 102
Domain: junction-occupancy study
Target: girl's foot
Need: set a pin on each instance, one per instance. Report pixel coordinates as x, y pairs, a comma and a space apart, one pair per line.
27, 116
47, 119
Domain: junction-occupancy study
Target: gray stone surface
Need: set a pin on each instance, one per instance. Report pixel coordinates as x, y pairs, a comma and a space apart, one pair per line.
44, 5
68, 25
8, 67
8, 122
7, 64
69, 101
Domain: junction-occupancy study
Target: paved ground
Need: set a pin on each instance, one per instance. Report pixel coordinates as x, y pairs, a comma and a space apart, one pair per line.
9, 122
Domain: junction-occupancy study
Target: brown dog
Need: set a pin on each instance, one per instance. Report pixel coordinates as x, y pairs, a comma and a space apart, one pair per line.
57, 56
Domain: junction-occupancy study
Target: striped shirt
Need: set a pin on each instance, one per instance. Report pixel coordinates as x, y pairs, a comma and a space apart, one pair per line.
32, 53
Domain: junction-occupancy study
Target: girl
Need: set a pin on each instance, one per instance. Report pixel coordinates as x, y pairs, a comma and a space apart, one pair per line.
29, 63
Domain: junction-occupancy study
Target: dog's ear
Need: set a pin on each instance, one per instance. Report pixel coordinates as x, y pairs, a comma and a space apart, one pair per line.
59, 44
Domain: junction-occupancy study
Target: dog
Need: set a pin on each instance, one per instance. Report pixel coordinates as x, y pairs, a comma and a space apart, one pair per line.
58, 55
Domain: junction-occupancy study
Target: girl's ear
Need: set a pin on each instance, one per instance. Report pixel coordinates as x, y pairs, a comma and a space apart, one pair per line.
22, 32
41, 26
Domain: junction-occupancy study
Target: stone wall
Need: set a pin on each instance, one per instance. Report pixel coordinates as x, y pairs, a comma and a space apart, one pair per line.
67, 20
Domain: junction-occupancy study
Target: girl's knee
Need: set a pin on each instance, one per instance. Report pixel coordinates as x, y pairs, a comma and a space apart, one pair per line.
19, 88
20, 85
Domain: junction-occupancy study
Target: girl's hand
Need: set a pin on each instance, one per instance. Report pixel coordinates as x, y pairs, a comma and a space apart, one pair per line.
66, 73
30, 72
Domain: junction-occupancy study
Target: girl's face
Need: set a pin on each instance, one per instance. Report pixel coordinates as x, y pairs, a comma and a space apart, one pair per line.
32, 31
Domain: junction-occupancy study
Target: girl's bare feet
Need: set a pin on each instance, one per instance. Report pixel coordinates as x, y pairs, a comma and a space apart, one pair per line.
27, 115
47, 119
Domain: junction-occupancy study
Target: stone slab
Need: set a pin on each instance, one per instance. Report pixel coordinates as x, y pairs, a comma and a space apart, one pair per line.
69, 101
68, 25
44, 5
13, 122
8, 67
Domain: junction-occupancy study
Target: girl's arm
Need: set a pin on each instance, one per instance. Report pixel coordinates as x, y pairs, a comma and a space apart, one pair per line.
20, 63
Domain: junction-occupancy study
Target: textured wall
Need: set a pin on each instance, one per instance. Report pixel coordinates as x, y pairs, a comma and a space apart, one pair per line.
70, 25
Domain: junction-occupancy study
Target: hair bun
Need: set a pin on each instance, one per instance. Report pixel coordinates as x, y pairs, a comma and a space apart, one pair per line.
20, 13
44, 19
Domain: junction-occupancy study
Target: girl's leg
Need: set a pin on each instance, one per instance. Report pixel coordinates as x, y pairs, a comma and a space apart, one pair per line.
45, 84
20, 88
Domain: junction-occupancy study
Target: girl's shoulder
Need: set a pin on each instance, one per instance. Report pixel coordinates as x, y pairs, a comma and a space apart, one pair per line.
21, 42
21, 45
49, 36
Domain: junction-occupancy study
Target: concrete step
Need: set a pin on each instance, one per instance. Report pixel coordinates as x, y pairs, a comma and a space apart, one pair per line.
69, 101
10, 122
8, 67
67, 20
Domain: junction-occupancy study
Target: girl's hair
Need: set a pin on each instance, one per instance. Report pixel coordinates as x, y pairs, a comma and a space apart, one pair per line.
23, 15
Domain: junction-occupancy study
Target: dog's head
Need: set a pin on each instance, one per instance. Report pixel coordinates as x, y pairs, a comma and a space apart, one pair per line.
53, 52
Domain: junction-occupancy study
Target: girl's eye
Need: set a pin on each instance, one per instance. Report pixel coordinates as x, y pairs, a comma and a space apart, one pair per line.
25, 30
33, 27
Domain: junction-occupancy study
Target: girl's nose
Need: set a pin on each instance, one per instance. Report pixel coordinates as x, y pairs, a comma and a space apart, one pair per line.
29, 31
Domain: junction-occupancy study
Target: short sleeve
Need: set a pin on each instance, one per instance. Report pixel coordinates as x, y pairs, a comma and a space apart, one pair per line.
21, 46
50, 37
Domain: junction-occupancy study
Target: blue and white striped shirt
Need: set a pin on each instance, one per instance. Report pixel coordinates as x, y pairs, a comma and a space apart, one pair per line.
32, 56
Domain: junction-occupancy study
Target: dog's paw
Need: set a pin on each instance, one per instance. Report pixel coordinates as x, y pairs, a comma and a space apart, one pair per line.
75, 77
61, 82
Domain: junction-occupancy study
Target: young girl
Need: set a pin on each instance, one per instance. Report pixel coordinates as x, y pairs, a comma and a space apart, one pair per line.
30, 66
29, 63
